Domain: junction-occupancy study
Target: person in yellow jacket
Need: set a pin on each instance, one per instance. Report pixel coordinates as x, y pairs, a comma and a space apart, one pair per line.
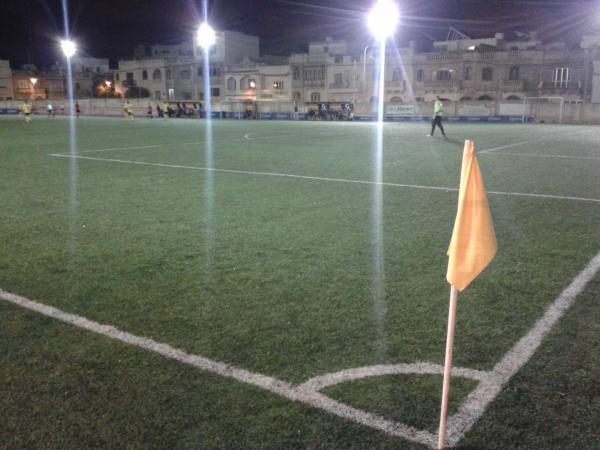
128, 111
165, 110
438, 112
26, 111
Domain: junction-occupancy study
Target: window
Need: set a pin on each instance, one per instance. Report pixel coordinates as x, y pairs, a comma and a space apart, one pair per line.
157, 95
186, 95
338, 79
443, 75
215, 92
467, 73
296, 73
315, 97
168, 74
77, 86
156, 75
129, 78
339, 59
231, 84
514, 73
397, 74
171, 94
117, 77
487, 74
97, 69
216, 72
200, 71
561, 77
23, 84
144, 74
278, 85
185, 74
420, 75
326, 49
297, 96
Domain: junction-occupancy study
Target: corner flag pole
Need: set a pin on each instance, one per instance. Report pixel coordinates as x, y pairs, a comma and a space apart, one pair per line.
448, 366
472, 248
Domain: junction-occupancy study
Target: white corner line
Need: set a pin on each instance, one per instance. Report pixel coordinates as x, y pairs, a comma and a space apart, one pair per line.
479, 399
490, 383
419, 368
273, 385
314, 178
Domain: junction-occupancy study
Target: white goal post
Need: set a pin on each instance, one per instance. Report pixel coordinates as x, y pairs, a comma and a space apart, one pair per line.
544, 108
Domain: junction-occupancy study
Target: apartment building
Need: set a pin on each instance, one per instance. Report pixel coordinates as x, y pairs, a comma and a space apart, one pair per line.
6, 83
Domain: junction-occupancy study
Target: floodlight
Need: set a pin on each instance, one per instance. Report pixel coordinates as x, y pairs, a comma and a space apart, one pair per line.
252, 84
33, 80
108, 83
68, 47
472, 47
383, 19
206, 36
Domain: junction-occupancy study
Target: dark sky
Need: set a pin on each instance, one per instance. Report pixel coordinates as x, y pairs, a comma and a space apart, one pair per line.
111, 28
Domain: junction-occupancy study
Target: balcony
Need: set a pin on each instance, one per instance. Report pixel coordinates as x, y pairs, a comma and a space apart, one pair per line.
442, 56
443, 85
512, 85
314, 83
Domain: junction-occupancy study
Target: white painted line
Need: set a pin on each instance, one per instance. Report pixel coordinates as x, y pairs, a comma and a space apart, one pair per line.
419, 368
287, 390
533, 155
477, 401
182, 144
306, 177
547, 138
491, 383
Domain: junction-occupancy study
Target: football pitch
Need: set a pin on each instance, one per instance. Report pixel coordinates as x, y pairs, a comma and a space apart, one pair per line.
267, 291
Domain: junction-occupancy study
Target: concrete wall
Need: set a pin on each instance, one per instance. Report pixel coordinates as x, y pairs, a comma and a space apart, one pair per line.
547, 112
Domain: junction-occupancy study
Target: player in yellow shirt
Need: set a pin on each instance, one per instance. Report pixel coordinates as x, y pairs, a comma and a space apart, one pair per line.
26, 111
165, 110
128, 111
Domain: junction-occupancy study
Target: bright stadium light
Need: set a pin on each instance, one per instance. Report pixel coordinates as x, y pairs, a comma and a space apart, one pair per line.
33, 80
383, 19
68, 47
206, 36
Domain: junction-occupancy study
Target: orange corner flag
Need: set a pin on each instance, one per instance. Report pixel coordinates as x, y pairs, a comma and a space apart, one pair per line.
473, 243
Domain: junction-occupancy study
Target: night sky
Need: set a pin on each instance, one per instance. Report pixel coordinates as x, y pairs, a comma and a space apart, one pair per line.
111, 28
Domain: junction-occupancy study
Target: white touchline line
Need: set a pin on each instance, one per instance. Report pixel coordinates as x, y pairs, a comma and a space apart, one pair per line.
287, 390
306, 177
533, 155
477, 401
517, 144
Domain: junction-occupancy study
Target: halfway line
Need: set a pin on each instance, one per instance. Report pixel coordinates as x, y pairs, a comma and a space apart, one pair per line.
306, 177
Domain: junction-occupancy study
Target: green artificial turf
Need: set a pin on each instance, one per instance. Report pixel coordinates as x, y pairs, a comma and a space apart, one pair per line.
272, 274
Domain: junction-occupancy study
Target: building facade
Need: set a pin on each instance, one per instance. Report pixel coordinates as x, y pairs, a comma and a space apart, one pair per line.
6, 82
177, 72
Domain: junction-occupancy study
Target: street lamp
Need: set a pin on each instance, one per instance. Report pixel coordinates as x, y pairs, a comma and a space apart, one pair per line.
33, 83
